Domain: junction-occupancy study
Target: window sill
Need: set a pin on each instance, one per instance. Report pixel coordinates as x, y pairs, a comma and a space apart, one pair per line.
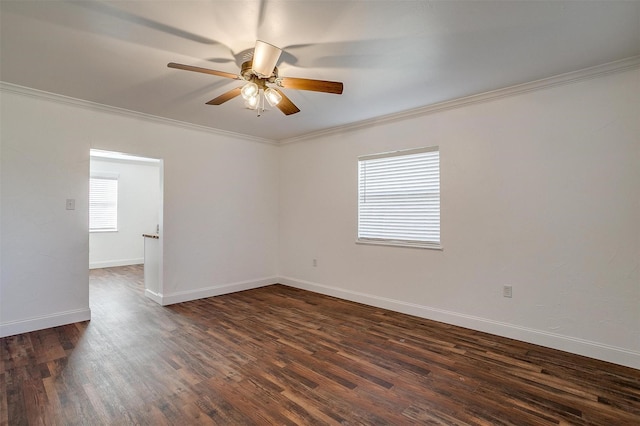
100, 231
429, 246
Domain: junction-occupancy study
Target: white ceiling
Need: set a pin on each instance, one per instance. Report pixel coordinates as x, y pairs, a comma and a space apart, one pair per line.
391, 56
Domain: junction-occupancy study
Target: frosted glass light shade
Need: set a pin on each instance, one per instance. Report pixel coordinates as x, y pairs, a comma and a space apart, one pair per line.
273, 97
252, 102
265, 58
249, 90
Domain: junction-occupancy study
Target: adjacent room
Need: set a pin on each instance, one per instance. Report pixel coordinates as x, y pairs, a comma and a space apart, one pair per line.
355, 212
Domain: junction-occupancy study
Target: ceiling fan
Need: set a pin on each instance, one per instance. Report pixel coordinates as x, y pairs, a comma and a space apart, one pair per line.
261, 74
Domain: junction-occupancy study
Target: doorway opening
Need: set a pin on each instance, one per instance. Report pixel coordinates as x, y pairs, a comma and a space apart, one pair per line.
126, 210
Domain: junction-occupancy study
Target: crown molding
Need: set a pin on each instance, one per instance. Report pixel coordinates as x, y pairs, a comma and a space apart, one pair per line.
545, 83
67, 100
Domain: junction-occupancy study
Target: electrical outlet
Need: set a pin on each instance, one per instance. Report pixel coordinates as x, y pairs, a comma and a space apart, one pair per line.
507, 291
315, 262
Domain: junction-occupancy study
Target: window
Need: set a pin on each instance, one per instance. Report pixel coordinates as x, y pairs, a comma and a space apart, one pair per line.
399, 198
103, 202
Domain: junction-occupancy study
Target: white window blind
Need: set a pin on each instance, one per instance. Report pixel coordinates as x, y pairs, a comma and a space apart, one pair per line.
103, 202
399, 198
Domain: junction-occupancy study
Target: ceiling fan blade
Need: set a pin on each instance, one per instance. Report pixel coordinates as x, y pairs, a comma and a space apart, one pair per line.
265, 58
285, 105
225, 96
313, 85
203, 70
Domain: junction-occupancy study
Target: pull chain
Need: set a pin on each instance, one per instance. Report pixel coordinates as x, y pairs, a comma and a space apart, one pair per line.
260, 98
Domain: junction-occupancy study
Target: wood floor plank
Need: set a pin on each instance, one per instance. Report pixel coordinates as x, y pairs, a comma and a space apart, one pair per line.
279, 355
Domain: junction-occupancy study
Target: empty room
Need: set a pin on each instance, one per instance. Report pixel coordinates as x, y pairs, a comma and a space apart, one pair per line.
354, 212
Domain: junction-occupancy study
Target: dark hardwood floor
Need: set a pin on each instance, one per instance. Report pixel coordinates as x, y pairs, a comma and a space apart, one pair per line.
278, 355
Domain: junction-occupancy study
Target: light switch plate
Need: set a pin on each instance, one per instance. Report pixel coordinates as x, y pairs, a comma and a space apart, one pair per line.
507, 291
71, 204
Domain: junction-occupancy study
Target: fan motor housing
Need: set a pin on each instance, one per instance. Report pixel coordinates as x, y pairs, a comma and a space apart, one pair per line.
247, 73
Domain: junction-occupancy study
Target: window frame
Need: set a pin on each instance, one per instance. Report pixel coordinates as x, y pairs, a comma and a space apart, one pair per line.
110, 176
400, 242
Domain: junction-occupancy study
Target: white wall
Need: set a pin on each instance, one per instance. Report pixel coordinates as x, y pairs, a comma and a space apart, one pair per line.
44, 248
220, 207
138, 207
540, 191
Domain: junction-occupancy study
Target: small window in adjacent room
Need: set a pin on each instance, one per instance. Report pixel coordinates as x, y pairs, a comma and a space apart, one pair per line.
103, 202
399, 198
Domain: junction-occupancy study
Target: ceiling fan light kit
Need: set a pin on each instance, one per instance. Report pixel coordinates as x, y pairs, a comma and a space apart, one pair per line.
249, 90
261, 74
272, 96
252, 102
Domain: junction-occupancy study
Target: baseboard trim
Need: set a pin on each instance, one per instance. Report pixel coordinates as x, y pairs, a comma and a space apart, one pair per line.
118, 262
47, 321
201, 293
156, 297
570, 344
